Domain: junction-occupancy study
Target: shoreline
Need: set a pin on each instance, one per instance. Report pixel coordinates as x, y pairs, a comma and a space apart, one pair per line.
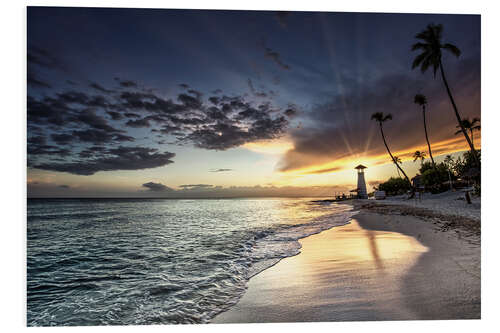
434, 266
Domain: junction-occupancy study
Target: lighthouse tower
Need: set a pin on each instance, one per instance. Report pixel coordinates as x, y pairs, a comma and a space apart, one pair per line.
361, 182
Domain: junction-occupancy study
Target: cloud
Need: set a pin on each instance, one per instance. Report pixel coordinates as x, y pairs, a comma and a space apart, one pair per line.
126, 83
64, 186
190, 187
274, 56
85, 119
98, 87
39, 58
254, 91
157, 187
221, 170
121, 158
62, 139
342, 128
34, 81
327, 170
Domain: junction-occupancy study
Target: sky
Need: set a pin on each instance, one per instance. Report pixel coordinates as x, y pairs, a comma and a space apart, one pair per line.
206, 103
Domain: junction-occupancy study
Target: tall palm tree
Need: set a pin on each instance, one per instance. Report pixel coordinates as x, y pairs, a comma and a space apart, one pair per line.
380, 118
431, 46
398, 161
422, 101
470, 126
419, 155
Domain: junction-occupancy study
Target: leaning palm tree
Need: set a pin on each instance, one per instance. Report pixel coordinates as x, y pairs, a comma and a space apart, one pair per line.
380, 118
419, 155
431, 46
397, 160
422, 101
470, 126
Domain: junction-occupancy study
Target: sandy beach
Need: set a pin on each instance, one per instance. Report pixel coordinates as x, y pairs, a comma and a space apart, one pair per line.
381, 266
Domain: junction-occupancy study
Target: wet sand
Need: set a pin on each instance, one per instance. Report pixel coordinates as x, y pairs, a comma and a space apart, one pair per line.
378, 267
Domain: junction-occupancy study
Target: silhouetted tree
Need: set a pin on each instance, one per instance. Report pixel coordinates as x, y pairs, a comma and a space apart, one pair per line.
470, 126
422, 101
380, 118
430, 44
419, 155
398, 161
448, 161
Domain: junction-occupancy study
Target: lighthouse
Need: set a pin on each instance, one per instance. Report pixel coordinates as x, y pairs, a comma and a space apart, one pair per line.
361, 182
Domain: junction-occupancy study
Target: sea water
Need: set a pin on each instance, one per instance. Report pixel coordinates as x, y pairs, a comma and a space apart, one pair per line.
157, 261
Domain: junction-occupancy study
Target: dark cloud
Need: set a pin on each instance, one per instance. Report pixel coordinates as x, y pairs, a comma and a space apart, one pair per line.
254, 91
157, 187
274, 56
115, 115
95, 121
43, 58
127, 83
34, 81
221, 170
38, 59
342, 127
291, 111
83, 120
196, 186
121, 158
98, 87
138, 123
64, 186
37, 140
62, 139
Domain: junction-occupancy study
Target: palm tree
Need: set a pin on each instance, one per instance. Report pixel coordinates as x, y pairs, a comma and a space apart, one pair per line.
431, 46
448, 161
419, 155
470, 126
422, 101
398, 161
380, 118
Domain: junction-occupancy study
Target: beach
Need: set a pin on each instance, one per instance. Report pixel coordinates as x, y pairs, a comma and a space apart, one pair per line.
395, 260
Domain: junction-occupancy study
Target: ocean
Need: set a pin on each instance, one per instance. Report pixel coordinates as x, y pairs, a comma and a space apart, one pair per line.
157, 261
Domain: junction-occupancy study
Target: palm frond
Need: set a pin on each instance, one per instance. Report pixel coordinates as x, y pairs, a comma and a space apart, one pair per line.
377, 116
418, 60
452, 49
420, 46
420, 99
438, 31
475, 120
425, 64
387, 117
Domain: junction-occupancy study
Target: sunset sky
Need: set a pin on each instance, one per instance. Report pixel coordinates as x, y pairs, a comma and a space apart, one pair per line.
178, 103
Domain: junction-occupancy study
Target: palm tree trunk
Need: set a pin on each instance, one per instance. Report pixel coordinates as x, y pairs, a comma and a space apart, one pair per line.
394, 160
474, 153
427, 137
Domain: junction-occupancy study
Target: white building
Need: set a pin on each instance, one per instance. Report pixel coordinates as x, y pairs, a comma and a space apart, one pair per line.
362, 194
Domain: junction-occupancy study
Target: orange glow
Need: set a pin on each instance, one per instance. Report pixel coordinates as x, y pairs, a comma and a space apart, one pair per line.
448, 146
273, 147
